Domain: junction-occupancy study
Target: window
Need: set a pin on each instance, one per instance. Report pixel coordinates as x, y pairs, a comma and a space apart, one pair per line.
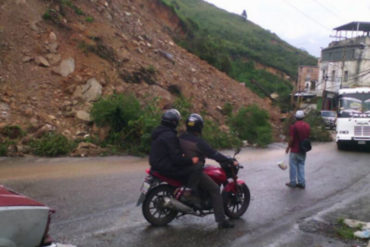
313, 85
346, 76
333, 75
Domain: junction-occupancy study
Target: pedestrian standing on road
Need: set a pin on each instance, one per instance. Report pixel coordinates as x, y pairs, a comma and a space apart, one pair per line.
298, 132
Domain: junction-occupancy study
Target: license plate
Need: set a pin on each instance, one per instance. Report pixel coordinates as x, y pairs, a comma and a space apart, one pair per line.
361, 142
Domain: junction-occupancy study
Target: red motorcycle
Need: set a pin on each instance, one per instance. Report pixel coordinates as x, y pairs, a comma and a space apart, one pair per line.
163, 199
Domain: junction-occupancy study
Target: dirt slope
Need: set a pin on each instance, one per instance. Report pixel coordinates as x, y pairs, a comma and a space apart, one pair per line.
53, 68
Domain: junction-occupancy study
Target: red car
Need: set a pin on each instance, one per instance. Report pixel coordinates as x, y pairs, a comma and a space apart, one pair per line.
23, 221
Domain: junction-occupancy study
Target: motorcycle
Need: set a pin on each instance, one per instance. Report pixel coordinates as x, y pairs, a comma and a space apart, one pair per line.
164, 199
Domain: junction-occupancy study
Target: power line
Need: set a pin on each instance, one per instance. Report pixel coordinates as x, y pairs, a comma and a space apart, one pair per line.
307, 16
330, 10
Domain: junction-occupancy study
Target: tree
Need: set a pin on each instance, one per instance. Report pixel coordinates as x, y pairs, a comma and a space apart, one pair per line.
244, 15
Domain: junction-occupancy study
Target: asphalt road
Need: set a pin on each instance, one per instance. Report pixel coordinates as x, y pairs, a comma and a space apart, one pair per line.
95, 200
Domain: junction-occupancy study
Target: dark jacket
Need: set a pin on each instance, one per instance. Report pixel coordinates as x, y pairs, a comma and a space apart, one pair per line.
165, 155
194, 146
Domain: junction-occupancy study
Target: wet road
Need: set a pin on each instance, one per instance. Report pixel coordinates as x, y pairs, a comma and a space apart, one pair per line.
95, 198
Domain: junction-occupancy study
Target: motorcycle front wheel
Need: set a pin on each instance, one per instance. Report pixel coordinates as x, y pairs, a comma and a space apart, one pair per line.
153, 208
236, 203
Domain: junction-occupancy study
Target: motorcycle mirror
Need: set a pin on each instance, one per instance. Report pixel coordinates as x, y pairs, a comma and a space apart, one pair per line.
237, 150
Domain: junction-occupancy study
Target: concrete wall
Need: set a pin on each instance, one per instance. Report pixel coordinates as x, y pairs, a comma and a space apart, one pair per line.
345, 64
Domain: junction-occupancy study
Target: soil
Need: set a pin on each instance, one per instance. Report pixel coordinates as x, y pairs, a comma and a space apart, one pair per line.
124, 44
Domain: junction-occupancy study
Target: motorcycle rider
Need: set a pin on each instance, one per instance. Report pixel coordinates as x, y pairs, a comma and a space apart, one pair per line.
166, 156
193, 145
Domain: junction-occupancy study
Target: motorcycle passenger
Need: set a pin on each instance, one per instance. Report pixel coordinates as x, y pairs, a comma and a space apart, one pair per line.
166, 156
193, 145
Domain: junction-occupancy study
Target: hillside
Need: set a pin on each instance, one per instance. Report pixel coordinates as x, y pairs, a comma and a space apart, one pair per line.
239, 47
59, 56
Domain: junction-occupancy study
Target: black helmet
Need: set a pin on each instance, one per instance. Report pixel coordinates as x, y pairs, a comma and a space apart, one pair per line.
171, 117
194, 123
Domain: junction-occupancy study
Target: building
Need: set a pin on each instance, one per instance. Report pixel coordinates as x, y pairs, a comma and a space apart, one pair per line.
345, 63
307, 78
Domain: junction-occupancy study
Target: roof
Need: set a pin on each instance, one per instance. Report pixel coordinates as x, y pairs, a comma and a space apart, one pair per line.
354, 90
354, 26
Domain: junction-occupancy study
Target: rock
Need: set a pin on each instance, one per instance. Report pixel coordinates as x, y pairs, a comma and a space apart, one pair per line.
86, 149
83, 115
28, 111
66, 67
167, 55
40, 60
54, 58
4, 111
89, 92
164, 96
44, 129
27, 59
53, 47
52, 36
24, 149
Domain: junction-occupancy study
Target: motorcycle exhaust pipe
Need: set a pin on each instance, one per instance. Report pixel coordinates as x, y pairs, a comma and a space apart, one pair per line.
177, 205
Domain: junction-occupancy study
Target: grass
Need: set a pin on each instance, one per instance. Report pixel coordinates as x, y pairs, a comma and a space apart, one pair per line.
344, 231
89, 19
234, 45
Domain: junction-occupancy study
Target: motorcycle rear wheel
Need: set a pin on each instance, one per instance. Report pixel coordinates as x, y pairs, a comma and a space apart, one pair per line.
235, 204
153, 209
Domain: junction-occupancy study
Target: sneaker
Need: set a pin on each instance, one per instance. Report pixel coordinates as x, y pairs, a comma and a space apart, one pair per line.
290, 185
225, 224
301, 186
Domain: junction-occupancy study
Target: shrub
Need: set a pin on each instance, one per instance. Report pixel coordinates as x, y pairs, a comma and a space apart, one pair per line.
183, 105
131, 125
12, 131
116, 111
4, 147
51, 144
217, 138
252, 124
318, 130
227, 110
89, 19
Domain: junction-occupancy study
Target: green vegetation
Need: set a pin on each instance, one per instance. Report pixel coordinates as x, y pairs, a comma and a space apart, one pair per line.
9, 135
4, 145
218, 138
51, 144
12, 131
233, 45
344, 231
89, 19
76, 9
252, 124
318, 130
130, 123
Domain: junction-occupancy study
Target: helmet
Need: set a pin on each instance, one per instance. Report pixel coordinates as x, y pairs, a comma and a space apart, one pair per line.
194, 123
171, 117
299, 114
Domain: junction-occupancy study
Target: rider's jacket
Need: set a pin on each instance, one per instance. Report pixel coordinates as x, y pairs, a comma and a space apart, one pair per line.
194, 146
165, 154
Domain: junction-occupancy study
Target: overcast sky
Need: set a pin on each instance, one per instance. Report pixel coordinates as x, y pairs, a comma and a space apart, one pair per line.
305, 24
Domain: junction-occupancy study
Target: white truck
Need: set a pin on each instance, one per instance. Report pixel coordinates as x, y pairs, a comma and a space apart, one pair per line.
353, 121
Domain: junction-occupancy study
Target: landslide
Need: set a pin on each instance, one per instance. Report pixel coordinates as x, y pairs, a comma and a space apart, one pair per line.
58, 56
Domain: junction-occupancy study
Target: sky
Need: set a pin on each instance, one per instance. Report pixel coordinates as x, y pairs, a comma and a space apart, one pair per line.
305, 24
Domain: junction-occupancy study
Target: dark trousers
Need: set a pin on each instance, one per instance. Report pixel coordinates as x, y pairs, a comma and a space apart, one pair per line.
208, 185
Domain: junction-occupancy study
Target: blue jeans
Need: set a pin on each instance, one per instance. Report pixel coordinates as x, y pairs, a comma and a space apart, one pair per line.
296, 168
